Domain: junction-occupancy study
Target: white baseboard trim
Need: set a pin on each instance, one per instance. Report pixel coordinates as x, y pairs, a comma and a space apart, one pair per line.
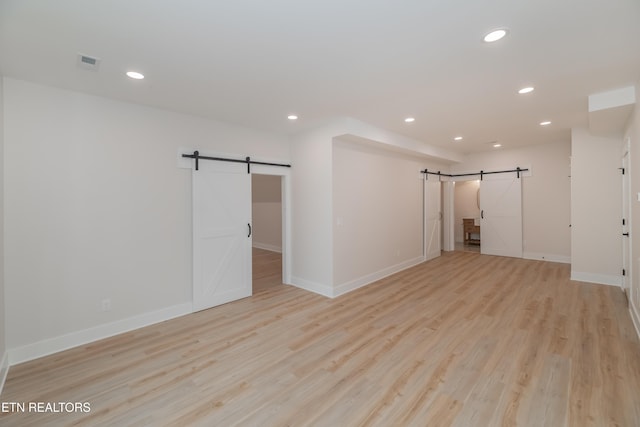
74, 339
430, 257
373, 277
635, 317
316, 288
602, 279
547, 257
267, 247
4, 370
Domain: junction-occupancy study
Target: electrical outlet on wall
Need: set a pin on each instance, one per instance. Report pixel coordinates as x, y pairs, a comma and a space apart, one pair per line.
106, 304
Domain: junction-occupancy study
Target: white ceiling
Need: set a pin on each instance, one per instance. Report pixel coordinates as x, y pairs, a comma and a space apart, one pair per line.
253, 62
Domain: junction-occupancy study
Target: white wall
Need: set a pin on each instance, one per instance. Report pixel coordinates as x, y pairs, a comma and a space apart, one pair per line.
377, 212
546, 195
313, 198
4, 361
96, 208
596, 206
266, 203
633, 133
465, 205
312, 267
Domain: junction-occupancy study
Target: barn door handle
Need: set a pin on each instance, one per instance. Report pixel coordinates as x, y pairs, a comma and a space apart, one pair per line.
249, 225
482, 214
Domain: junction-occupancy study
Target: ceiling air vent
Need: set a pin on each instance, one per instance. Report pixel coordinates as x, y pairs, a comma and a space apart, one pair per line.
88, 62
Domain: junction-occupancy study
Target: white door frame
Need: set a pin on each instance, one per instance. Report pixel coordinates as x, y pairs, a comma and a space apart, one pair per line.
285, 192
448, 218
427, 219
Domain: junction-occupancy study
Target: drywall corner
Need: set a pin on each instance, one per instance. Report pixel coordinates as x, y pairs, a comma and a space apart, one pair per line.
4, 370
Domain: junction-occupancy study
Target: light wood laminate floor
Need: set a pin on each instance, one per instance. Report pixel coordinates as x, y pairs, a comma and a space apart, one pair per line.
267, 270
463, 340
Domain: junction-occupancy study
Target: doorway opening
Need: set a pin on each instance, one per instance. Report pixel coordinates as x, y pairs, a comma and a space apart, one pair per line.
466, 207
267, 220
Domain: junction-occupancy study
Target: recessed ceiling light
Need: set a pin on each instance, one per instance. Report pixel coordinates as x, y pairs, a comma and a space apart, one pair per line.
495, 35
135, 75
458, 138
410, 119
497, 145
292, 117
545, 123
526, 90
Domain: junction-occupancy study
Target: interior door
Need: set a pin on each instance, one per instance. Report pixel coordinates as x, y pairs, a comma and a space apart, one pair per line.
221, 233
433, 219
501, 215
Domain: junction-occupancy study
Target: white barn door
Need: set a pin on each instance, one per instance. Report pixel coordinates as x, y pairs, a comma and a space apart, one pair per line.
626, 217
221, 233
501, 215
433, 219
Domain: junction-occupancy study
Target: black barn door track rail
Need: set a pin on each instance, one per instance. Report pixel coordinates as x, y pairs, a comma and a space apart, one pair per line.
427, 172
247, 160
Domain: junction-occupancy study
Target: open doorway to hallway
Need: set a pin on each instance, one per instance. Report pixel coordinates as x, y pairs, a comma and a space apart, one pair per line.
266, 203
467, 216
